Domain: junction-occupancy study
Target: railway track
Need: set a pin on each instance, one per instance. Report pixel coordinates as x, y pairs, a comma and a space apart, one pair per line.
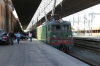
93, 45
86, 44
96, 49
81, 59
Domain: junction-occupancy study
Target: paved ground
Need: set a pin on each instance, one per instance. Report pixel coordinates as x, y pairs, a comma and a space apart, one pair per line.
34, 54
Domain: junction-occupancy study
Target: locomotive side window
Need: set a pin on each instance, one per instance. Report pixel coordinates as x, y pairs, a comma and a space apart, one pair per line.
56, 27
48, 27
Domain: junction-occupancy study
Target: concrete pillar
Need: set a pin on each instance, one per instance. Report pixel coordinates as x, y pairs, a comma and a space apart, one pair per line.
8, 16
6, 22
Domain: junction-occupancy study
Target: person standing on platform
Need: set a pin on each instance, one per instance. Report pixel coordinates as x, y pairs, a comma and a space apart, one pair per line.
18, 35
30, 36
11, 36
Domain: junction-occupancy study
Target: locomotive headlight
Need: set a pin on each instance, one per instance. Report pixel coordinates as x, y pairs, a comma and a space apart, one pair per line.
69, 35
54, 36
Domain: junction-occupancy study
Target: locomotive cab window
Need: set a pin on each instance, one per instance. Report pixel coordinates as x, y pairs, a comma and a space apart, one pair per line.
66, 27
56, 27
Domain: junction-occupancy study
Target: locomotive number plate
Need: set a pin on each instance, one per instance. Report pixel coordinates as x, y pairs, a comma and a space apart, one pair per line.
62, 41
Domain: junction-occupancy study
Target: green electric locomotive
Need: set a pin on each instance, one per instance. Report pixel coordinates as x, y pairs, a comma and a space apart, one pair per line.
55, 33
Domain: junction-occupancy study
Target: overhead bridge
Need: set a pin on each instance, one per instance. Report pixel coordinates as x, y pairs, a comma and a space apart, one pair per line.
26, 8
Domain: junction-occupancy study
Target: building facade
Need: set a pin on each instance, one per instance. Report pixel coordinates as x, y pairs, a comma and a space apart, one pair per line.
2, 14
7, 19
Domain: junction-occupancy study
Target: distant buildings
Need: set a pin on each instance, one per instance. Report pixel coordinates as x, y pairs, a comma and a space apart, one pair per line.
86, 21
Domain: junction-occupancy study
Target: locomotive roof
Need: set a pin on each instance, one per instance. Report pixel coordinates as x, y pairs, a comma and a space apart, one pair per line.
55, 22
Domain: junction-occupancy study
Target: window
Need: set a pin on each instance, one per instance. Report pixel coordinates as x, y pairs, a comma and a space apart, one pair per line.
65, 27
56, 27
0, 31
61, 27
48, 27
1, 9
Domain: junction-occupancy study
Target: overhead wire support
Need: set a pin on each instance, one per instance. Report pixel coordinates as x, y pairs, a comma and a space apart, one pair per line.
53, 10
48, 6
45, 16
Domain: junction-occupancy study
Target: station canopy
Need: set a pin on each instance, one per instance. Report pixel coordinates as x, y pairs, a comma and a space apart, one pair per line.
44, 8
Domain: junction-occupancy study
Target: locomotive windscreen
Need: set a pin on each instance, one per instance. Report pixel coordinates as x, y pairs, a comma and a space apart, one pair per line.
56, 27
61, 27
66, 27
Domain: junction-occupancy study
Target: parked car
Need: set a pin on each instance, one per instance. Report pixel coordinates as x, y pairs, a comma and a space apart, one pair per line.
4, 39
23, 37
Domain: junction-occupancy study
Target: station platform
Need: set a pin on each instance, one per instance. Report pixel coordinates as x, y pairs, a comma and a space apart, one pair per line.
35, 53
